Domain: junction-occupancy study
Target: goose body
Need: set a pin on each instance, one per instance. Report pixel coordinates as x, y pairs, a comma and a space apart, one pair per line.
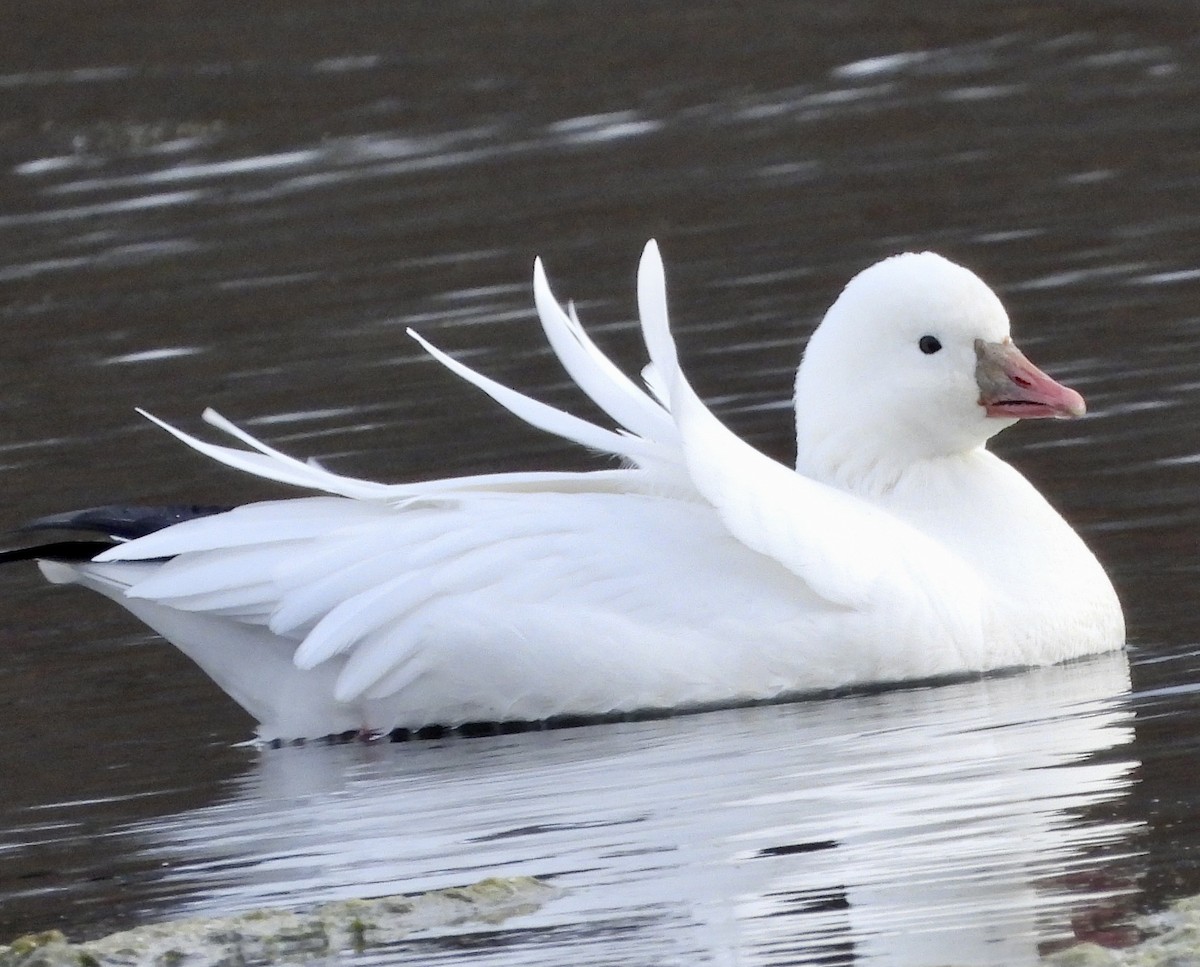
700, 573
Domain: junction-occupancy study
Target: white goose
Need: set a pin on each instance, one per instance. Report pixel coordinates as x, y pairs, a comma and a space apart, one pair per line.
702, 573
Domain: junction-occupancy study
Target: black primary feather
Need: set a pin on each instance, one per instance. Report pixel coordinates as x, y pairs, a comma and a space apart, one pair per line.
67, 551
116, 522
123, 523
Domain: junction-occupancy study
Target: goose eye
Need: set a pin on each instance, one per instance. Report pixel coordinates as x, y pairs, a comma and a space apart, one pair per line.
929, 345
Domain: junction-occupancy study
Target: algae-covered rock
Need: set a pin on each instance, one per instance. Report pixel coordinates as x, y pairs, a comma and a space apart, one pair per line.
1087, 955
49, 949
1173, 940
274, 936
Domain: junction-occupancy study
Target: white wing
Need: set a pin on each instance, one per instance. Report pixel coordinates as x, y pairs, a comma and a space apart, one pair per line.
517, 593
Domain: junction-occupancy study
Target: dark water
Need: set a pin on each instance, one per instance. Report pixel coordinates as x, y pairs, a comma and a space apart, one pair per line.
245, 205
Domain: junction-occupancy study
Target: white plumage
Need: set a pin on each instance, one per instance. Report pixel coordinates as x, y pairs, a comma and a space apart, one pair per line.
702, 573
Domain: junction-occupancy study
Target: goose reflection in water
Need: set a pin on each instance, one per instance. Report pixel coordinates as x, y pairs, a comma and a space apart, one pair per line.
907, 828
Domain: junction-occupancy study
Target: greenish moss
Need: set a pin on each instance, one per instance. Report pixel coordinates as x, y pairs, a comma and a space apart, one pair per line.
30, 942
358, 935
272, 936
1173, 940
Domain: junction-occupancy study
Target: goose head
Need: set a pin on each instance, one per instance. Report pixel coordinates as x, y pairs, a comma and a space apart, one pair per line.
914, 361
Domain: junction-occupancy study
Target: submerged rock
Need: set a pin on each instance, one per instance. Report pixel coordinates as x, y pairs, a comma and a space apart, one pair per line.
274, 936
1173, 941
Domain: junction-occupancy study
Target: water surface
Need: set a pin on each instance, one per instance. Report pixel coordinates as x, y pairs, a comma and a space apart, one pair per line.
246, 207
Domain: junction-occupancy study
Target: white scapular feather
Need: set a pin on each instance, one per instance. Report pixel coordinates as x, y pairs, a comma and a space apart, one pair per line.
652, 307
346, 572
701, 572
538, 414
352, 619
594, 373
250, 603
270, 463
654, 383
375, 659
414, 543
265, 523
208, 572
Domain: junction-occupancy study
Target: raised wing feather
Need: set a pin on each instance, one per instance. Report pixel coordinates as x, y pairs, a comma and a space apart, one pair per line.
647, 436
539, 414
270, 463
595, 373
